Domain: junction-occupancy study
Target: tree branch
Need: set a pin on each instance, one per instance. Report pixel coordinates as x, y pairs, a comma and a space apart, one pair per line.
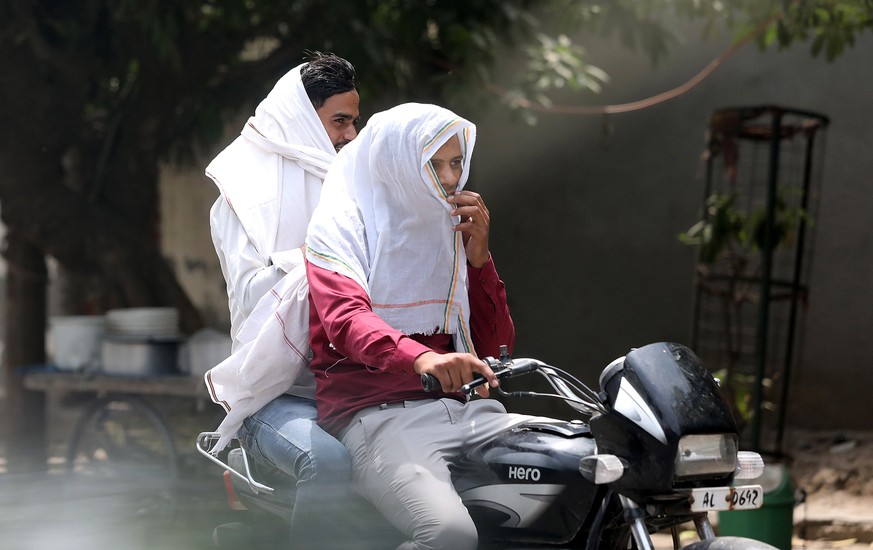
643, 103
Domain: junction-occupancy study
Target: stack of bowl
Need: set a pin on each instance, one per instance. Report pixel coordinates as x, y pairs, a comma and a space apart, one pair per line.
141, 341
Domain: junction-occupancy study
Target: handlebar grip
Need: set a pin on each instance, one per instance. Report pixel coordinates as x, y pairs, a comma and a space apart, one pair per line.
430, 382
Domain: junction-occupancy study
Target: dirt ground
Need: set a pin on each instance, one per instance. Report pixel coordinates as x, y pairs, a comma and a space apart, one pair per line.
835, 471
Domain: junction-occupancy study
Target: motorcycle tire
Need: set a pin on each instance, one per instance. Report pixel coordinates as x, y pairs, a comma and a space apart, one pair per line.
615, 539
729, 543
611, 530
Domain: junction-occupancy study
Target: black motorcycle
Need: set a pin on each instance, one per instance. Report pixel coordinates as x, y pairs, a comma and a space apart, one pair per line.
658, 453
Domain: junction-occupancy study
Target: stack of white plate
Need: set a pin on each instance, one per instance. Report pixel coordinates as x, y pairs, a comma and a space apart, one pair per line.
143, 323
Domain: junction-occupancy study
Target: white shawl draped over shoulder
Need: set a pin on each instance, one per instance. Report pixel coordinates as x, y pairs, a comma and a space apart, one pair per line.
263, 176
384, 222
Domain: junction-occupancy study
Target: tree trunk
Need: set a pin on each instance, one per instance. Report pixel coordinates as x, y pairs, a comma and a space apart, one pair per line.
24, 411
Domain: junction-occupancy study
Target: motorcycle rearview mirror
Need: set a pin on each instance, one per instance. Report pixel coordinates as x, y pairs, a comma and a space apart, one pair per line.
601, 469
610, 371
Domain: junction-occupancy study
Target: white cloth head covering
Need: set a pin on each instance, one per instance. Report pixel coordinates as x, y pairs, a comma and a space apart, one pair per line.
384, 221
271, 353
250, 172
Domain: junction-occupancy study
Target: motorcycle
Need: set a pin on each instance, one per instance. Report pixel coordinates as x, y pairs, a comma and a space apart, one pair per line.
657, 453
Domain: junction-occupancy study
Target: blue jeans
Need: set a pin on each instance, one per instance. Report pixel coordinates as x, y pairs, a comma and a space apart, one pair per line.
284, 435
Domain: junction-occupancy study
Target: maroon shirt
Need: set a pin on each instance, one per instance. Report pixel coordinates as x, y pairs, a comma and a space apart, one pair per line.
346, 335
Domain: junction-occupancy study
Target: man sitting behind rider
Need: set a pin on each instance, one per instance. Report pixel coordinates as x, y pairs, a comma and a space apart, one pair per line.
402, 283
270, 180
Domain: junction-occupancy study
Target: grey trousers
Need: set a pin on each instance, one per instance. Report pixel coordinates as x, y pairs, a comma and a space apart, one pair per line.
400, 462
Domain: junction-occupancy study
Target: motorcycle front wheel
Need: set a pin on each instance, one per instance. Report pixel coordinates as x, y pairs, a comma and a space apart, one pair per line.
611, 532
621, 540
729, 543
618, 538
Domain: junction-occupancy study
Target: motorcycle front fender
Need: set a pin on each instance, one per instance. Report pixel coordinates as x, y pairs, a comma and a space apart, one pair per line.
729, 543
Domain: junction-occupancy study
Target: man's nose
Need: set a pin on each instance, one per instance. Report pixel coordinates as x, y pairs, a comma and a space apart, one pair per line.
447, 177
351, 133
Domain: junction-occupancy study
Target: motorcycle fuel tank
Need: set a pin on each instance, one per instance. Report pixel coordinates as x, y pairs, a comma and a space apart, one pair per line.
526, 486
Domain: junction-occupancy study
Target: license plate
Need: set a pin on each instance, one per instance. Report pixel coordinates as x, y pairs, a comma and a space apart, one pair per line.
711, 499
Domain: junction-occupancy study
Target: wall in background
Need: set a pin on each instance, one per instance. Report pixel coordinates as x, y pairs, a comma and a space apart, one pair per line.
587, 211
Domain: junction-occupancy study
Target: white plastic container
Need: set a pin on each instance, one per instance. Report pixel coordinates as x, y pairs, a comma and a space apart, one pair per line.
76, 340
203, 350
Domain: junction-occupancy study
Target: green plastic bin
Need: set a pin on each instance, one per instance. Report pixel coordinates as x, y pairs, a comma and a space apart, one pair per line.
773, 522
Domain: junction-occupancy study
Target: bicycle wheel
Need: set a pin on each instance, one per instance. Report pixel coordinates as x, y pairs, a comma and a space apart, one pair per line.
121, 436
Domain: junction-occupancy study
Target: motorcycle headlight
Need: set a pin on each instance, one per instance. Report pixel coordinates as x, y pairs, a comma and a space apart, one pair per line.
700, 455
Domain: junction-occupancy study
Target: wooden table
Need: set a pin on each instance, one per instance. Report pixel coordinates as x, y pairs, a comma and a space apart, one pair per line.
48, 380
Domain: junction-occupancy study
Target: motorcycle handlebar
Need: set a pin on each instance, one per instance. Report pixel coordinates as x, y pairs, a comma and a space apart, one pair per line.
430, 382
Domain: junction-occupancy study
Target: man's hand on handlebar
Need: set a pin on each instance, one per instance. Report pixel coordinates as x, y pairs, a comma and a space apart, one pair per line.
453, 370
